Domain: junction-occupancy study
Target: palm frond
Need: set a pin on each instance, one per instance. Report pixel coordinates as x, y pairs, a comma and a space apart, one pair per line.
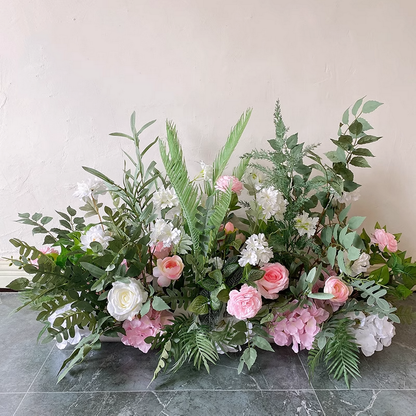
178, 175
239, 171
225, 153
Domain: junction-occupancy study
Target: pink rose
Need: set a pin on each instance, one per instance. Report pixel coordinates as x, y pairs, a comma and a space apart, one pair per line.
168, 269
384, 239
274, 280
160, 251
244, 303
341, 291
224, 181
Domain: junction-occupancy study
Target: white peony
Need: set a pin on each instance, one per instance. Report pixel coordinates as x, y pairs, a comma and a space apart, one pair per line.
256, 251
165, 198
371, 332
272, 203
126, 299
361, 265
306, 224
90, 189
78, 332
98, 234
163, 231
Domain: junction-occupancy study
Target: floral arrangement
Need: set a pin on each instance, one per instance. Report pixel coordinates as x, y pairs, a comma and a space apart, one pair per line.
226, 262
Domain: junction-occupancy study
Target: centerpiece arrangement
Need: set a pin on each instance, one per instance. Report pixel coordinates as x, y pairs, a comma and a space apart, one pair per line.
231, 261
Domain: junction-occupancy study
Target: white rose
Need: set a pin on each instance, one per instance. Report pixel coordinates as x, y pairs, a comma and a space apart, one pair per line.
361, 265
126, 299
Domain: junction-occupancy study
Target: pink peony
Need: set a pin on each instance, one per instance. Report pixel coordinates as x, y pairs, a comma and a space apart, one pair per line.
298, 327
339, 289
244, 303
224, 181
384, 239
148, 325
168, 269
274, 280
160, 251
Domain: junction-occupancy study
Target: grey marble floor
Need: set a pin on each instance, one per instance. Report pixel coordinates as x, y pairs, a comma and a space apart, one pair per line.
114, 381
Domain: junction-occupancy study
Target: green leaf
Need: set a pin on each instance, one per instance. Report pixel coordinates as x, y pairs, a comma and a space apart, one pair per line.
199, 305
355, 222
341, 263
365, 123
18, 284
326, 235
71, 211
381, 276
331, 254
360, 162
370, 106
346, 116
362, 152
368, 139
249, 357
320, 295
146, 307
343, 214
292, 141
262, 343
356, 128
353, 253
94, 270
356, 106
159, 304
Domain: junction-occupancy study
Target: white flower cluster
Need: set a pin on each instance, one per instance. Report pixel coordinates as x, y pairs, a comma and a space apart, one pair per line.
207, 171
256, 251
347, 197
90, 189
373, 333
306, 224
78, 332
98, 234
272, 203
163, 231
165, 198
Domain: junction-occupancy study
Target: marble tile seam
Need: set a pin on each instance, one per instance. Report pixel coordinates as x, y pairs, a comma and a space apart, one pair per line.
34, 378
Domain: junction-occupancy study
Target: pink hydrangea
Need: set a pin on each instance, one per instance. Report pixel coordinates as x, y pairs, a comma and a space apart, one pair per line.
244, 303
298, 327
148, 325
384, 239
224, 181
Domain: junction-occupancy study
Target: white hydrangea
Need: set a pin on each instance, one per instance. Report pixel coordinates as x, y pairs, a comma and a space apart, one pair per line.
98, 234
360, 265
256, 251
371, 332
272, 203
165, 198
90, 189
306, 224
163, 231
78, 332
207, 171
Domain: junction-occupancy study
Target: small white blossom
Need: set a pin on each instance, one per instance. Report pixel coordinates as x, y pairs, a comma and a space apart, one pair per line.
207, 171
163, 231
165, 198
272, 203
347, 197
253, 179
361, 265
217, 262
90, 189
98, 234
78, 332
256, 251
306, 224
372, 333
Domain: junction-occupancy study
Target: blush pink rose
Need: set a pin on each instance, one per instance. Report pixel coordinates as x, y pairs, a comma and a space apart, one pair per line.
341, 291
229, 228
160, 251
224, 181
168, 269
274, 280
384, 239
244, 303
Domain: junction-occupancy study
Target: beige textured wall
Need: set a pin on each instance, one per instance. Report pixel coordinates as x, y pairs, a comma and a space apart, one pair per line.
73, 71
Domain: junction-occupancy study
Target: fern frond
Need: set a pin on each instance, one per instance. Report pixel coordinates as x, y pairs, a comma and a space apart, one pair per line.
281, 129
225, 153
178, 175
